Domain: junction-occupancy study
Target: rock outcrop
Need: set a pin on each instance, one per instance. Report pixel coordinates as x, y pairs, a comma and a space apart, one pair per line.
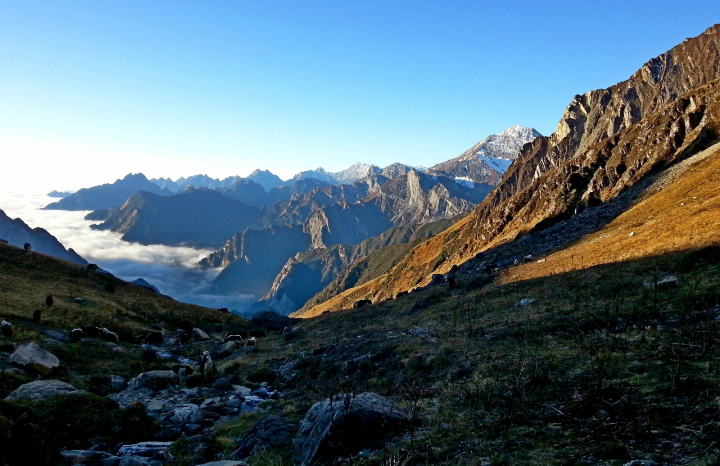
32, 356
345, 425
41, 389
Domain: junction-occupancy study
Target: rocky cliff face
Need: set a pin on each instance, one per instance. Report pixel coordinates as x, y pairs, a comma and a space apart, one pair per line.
253, 258
606, 141
351, 214
17, 233
329, 271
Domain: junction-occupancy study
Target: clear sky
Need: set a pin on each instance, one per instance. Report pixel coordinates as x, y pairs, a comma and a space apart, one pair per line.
90, 91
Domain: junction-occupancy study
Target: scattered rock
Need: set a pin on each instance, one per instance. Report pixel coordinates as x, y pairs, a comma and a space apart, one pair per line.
368, 419
223, 350
224, 463
666, 283
186, 414
199, 335
525, 302
84, 456
269, 432
59, 336
154, 380
153, 450
33, 356
41, 389
78, 300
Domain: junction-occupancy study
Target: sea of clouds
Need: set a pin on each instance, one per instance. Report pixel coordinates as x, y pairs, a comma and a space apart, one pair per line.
172, 270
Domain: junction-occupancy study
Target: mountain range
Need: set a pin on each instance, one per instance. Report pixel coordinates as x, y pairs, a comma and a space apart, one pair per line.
606, 142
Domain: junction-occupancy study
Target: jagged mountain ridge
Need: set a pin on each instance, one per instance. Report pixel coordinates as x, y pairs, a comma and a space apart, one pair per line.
414, 199
17, 233
108, 195
487, 160
310, 273
606, 141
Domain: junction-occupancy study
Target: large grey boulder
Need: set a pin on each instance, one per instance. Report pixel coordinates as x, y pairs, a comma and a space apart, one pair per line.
154, 380
186, 414
41, 389
223, 350
33, 356
345, 426
199, 335
269, 432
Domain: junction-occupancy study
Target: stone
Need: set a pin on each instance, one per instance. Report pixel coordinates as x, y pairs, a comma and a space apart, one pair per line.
224, 463
33, 356
41, 389
146, 450
155, 380
269, 432
186, 414
525, 302
84, 456
273, 320
240, 390
367, 420
223, 350
116, 383
59, 336
199, 335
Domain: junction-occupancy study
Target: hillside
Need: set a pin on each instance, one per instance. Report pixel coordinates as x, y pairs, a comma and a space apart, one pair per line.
18, 233
606, 142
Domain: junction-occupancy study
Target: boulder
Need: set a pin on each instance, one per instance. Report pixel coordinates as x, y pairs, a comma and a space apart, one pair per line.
350, 425
84, 456
33, 356
155, 450
186, 414
272, 320
199, 335
223, 350
154, 380
41, 389
269, 432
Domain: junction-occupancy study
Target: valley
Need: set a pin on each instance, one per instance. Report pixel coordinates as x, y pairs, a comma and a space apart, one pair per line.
536, 300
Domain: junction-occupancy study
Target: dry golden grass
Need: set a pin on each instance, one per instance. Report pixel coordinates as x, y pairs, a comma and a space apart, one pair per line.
684, 215
28, 277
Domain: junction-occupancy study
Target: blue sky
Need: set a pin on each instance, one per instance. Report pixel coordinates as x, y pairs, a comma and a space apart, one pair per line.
92, 90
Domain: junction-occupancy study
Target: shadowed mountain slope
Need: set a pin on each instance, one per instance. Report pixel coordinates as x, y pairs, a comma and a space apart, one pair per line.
108, 195
17, 233
200, 218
